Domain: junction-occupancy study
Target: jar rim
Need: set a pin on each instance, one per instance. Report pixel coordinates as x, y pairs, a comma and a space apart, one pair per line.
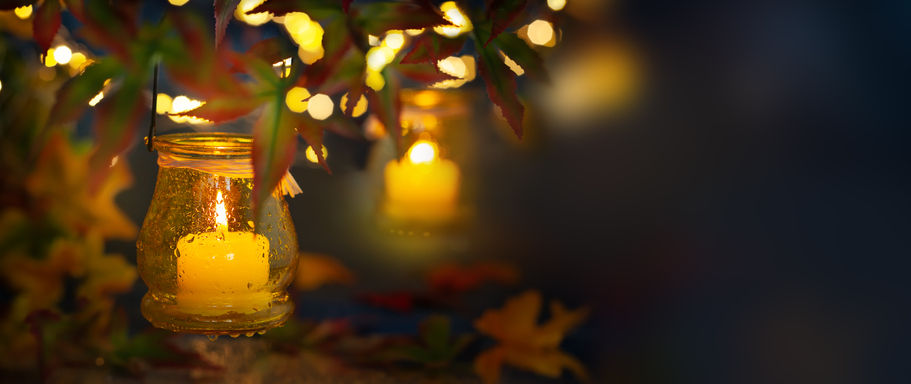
208, 145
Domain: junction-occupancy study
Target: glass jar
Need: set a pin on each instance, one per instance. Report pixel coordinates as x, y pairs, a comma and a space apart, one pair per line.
210, 265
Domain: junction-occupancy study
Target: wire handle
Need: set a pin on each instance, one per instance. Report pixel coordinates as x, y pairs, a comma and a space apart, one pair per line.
154, 119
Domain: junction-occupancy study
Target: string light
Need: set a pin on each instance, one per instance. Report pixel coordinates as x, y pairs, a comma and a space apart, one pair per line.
253, 19
359, 108
311, 154
49, 60
556, 5
63, 54
23, 12
394, 40
540, 32
295, 97
375, 80
455, 16
77, 60
95, 100
178, 2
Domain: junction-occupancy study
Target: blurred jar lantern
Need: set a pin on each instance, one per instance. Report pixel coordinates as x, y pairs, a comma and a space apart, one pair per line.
425, 190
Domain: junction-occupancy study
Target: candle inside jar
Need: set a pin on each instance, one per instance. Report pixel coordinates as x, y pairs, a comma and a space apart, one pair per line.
422, 186
222, 271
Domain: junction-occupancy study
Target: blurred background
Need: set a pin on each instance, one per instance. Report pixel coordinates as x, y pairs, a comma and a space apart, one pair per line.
724, 184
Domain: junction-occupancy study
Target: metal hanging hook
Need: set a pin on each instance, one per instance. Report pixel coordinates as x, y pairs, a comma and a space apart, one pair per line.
151, 136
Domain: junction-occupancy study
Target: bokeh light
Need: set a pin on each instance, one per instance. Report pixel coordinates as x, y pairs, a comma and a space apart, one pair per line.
163, 103
556, 4
320, 106
311, 154
465, 68
182, 104
375, 80
359, 108
512, 65
423, 151
49, 60
376, 59
178, 2
95, 100
373, 40
63, 54
455, 16
23, 12
308, 56
414, 32
540, 32
77, 60
294, 99
394, 40
253, 19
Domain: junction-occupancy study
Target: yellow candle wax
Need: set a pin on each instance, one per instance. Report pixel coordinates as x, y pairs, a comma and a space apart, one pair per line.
422, 186
220, 272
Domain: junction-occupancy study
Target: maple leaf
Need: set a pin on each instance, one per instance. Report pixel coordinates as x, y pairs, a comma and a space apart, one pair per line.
39, 283
224, 9
523, 343
379, 17
436, 347
501, 13
46, 24
386, 104
518, 50
501, 86
314, 271
453, 278
431, 48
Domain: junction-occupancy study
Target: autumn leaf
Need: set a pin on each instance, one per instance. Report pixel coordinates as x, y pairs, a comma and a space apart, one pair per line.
156, 348
387, 105
74, 96
518, 50
115, 123
424, 73
453, 278
76, 8
523, 343
436, 347
501, 13
224, 9
397, 301
274, 145
501, 86
316, 9
273, 49
314, 271
431, 48
46, 24
378, 17
312, 133
336, 44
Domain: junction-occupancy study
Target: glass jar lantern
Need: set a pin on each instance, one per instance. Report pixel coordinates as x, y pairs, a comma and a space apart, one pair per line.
210, 265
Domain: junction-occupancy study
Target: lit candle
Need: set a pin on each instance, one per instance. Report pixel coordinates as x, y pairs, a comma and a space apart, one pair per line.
222, 271
422, 186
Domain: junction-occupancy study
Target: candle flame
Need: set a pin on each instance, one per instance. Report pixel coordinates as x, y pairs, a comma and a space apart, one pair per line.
221, 215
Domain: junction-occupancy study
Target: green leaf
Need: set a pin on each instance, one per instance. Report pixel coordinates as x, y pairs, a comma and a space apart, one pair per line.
435, 333
431, 48
224, 10
313, 135
501, 86
46, 24
155, 347
527, 58
377, 18
316, 9
74, 96
387, 105
274, 145
501, 13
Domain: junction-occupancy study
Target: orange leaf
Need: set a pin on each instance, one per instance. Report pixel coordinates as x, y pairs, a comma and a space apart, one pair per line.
314, 271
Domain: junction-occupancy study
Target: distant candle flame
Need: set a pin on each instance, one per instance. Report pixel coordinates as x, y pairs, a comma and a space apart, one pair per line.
221, 216
422, 152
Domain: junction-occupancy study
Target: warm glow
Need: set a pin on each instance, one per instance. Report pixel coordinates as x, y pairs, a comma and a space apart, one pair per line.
422, 152
178, 2
462, 67
95, 100
311, 154
294, 99
308, 56
297, 22
183, 104
373, 40
23, 12
47, 74
253, 19
63, 54
49, 60
512, 65
77, 60
162, 103
453, 66
320, 106
540, 32
556, 4
375, 80
1, 86
376, 59
359, 108
455, 16
394, 40
414, 32
221, 214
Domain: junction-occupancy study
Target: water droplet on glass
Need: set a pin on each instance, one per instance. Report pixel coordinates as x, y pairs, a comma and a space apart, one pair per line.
250, 334
249, 285
190, 238
263, 332
212, 337
235, 335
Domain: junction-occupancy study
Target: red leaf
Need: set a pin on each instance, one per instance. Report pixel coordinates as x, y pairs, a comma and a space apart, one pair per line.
501, 87
425, 73
224, 10
346, 4
387, 105
273, 49
501, 13
358, 88
377, 18
74, 96
209, 75
76, 8
224, 109
526, 57
109, 28
115, 123
313, 135
396, 301
46, 24
273, 151
431, 48
336, 43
